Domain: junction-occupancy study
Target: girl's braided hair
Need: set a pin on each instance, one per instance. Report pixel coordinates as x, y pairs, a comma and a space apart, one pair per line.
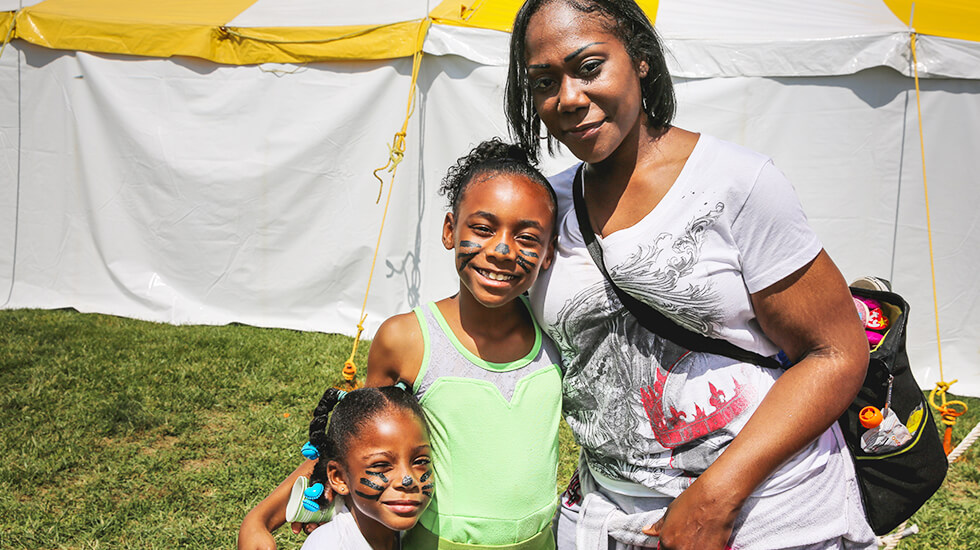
486, 159
333, 438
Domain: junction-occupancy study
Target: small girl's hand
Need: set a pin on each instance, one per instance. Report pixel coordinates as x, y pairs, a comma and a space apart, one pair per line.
308, 528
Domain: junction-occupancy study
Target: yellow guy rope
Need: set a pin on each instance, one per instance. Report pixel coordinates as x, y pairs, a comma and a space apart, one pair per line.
10, 32
947, 409
396, 152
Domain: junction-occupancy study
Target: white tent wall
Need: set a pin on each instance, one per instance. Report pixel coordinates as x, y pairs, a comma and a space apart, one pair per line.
186, 192
9, 145
850, 145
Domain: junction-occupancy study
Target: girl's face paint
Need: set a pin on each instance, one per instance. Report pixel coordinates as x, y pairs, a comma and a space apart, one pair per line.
427, 487
388, 447
498, 214
526, 259
375, 488
466, 251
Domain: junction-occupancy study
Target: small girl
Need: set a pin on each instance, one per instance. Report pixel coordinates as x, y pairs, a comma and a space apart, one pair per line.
375, 457
487, 378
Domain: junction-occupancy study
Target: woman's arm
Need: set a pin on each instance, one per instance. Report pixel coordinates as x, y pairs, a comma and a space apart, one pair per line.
810, 316
395, 354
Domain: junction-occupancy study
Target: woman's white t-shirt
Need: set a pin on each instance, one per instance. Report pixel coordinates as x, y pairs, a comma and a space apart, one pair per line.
650, 415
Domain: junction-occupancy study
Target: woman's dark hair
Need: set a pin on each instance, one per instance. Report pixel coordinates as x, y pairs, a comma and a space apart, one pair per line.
486, 159
627, 21
333, 439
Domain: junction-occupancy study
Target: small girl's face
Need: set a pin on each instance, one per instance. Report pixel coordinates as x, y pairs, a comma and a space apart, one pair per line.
503, 235
386, 477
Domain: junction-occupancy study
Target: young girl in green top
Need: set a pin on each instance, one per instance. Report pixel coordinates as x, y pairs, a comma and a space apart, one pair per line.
487, 378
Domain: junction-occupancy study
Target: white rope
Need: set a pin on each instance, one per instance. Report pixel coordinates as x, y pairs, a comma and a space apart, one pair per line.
965, 444
889, 542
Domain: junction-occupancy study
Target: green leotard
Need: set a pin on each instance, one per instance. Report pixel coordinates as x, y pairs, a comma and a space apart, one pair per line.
494, 434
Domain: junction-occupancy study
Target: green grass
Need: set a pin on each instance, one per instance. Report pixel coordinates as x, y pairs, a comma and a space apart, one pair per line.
117, 433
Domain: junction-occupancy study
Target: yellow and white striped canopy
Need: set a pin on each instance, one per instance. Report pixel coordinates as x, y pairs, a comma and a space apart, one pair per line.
294, 31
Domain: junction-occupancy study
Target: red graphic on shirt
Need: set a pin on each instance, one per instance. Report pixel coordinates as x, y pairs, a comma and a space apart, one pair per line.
573, 493
673, 427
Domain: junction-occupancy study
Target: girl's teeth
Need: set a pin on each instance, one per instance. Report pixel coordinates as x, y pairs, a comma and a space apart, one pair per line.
498, 276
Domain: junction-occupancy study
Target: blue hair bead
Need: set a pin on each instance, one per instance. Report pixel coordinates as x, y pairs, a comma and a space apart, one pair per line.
310, 505
314, 491
309, 451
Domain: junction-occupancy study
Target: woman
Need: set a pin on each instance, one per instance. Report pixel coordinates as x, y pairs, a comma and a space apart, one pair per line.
710, 451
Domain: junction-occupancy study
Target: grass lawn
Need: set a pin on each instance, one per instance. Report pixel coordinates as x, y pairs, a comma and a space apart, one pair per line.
117, 433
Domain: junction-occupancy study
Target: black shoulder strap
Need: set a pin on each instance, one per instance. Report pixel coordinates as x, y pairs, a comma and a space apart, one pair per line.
648, 316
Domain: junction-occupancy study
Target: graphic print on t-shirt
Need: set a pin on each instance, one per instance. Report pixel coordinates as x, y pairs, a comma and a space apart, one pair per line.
654, 272
646, 409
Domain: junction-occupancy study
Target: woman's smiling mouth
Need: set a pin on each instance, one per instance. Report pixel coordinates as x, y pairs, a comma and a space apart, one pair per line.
584, 130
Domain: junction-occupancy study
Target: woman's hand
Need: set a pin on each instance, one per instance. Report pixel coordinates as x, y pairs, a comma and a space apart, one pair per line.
701, 518
810, 315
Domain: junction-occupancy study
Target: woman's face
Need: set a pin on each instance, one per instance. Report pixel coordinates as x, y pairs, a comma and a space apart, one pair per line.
585, 86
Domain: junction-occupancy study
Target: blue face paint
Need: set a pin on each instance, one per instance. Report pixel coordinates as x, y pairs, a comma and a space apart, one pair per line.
502, 249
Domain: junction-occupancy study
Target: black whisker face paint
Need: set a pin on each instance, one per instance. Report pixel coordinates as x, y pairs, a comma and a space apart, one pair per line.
526, 265
502, 249
378, 475
367, 496
427, 488
465, 257
372, 485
